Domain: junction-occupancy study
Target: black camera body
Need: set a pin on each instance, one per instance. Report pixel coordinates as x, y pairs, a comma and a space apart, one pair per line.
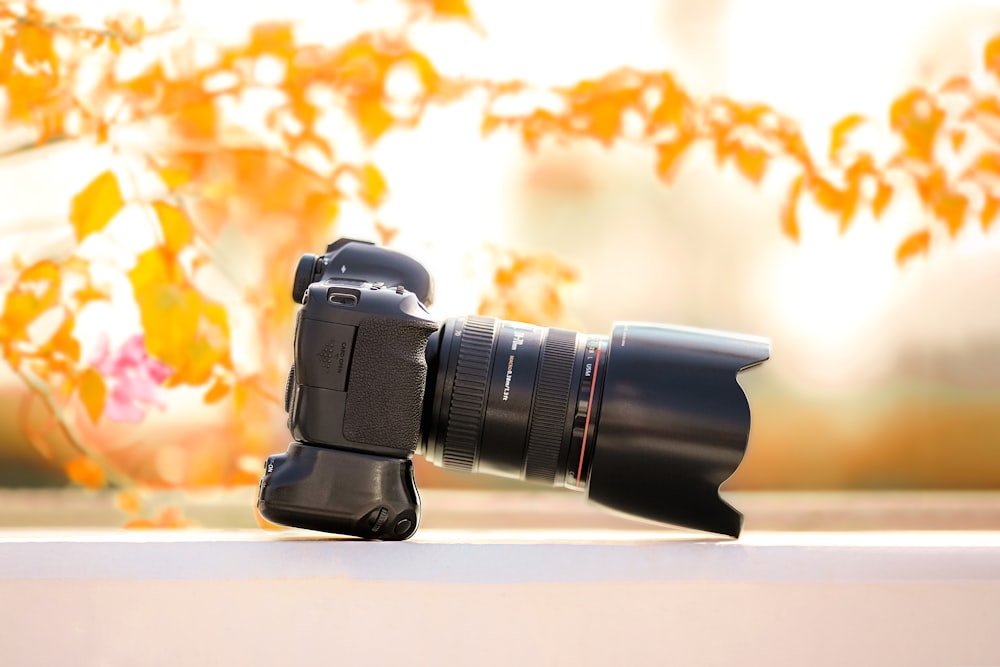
358, 320
649, 421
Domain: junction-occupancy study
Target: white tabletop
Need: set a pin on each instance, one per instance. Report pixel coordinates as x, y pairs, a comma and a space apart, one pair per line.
511, 579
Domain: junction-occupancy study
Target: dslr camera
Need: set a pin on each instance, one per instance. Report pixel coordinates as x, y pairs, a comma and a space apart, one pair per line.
648, 421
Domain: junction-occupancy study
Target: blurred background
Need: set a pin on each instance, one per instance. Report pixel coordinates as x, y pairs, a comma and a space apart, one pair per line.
883, 375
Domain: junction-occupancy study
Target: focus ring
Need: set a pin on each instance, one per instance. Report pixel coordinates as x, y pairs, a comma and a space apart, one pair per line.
468, 393
547, 425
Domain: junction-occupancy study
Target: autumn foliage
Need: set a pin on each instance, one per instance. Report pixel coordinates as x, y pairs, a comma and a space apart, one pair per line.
269, 138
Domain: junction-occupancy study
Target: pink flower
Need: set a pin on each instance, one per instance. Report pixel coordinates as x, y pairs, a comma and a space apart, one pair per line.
133, 379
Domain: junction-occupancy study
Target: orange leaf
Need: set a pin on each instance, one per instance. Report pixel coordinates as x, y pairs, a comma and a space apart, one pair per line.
604, 121
171, 517
198, 119
951, 209
217, 392
828, 196
36, 47
93, 393
85, 472
850, 206
372, 187
883, 195
839, 132
991, 56
989, 163
94, 206
668, 156
789, 212
128, 502
915, 244
752, 161
957, 139
320, 210
177, 229
446, 9
917, 117
989, 212
956, 84
385, 233
62, 341
8, 49
89, 293
672, 107
490, 124
37, 290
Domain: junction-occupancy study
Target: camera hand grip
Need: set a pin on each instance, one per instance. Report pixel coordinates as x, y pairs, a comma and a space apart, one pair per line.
340, 491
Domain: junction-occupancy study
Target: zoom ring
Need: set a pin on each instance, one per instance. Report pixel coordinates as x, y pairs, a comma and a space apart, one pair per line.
468, 393
547, 425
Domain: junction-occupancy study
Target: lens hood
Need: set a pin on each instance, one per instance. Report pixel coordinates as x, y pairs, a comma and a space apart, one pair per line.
673, 424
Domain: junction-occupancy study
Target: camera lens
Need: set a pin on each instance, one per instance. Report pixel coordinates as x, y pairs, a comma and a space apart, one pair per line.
649, 421
514, 400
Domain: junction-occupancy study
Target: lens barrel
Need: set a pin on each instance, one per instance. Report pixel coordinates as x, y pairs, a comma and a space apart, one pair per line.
505, 399
648, 422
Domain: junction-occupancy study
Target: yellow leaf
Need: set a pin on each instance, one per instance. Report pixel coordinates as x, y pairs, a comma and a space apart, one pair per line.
94, 206
273, 38
150, 269
913, 245
372, 187
174, 177
85, 472
373, 118
184, 330
93, 393
177, 229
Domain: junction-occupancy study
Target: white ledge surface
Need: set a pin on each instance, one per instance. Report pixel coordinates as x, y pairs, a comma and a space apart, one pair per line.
113, 597
503, 557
